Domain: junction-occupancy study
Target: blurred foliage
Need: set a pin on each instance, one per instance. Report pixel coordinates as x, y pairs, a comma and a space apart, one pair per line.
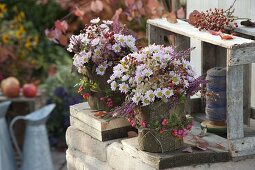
60, 90
133, 13
25, 51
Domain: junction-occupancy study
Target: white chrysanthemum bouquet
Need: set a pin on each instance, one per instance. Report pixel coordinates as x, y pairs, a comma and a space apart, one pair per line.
152, 74
99, 47
102, 43
157, 80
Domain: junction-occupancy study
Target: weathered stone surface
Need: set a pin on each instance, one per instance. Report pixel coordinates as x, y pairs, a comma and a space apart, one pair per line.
172, 159
82, 112
121, 160
77, 160
81, 141
100, 135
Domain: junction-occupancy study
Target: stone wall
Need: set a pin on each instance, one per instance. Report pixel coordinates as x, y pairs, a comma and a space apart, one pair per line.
88, 149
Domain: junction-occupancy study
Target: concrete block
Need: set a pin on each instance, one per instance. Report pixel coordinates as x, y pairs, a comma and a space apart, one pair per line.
174, 158
82, 112
77, 139
77, 160
121, 160
100, 135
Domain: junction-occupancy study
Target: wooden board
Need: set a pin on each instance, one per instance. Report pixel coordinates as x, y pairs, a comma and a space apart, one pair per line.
235, 102
188, 30
242, 147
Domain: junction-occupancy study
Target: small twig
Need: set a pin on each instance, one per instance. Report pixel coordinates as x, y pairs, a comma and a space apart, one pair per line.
231, 6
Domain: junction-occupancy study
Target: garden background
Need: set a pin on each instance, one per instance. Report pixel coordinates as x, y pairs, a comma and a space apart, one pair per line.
34, 36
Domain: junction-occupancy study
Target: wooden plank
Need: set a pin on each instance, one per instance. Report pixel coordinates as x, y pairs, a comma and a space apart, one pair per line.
221, 56
253, 112
244, 55
209, 56
242, 147
157, 35
196, 55
182, 42
188, 30
235, 101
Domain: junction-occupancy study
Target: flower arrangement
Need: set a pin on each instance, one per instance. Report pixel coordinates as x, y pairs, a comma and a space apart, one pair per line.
99, 46
155, 74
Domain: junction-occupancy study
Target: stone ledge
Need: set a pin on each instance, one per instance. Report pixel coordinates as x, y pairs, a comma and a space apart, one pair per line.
77, 139
83, 112
100, 135
121, 160
77, 160
172, 159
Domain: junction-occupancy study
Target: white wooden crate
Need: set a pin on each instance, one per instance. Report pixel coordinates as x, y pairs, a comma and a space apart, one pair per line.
236, 54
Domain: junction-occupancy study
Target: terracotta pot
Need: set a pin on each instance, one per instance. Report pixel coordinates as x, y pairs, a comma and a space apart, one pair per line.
151, 140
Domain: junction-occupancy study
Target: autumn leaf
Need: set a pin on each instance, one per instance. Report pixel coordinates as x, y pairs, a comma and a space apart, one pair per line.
226, 37
152, 4
63, 40
132, 134
214, 32
96, 6
116, 16
61, 25
100, 114
188, 149
171, 17
78, 12
129, 2
5, 53
201, 143
180, 13
53, 34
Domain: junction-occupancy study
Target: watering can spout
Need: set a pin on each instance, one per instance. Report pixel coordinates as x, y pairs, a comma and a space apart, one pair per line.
40, 116
36, 152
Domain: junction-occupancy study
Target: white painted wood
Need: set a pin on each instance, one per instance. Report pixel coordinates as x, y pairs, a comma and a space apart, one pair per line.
242, 147
195, 56
235, 101
186, 29
243, 8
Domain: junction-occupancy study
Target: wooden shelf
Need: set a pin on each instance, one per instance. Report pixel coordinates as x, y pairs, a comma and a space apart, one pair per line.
184, 28
236, 54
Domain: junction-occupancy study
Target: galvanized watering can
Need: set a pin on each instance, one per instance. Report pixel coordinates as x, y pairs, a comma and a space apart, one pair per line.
7, 161
36, 152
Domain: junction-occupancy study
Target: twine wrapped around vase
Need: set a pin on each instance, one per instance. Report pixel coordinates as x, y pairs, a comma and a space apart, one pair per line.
150, 139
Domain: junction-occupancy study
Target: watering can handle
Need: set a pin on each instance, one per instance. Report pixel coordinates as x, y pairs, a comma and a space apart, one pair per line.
13, 134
